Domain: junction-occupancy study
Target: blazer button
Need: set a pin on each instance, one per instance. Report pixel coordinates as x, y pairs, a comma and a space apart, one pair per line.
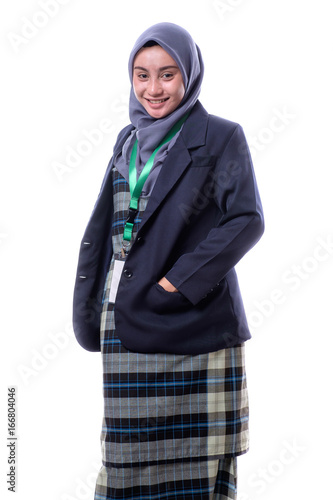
128, 273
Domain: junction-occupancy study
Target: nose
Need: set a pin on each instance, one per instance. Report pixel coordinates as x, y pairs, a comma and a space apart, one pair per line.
154, 87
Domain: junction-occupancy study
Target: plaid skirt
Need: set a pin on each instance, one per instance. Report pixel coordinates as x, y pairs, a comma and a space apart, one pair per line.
202, 480
173, 424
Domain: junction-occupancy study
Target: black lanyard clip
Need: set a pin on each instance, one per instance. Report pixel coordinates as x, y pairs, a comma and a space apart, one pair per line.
131, 215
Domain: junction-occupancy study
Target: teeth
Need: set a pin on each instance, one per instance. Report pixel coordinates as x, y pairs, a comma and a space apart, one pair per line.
157, 102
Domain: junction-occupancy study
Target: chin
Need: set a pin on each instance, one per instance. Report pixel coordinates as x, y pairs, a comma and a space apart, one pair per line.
158, 113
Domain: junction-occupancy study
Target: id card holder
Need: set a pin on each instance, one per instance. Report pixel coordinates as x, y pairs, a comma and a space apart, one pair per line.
118, 267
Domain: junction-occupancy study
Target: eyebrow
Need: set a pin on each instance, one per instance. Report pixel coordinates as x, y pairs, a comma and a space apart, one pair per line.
160, 69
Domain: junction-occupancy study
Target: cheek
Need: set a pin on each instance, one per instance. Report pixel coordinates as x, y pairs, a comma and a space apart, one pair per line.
179, 92
181, 89
137, 88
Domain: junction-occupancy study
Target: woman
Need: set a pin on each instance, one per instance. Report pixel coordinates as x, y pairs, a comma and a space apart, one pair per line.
156, 288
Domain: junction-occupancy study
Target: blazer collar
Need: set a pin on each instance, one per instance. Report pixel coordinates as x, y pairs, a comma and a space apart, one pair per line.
195, 127
192, 135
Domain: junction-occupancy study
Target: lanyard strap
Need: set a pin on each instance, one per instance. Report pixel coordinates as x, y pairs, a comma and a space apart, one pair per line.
136, 186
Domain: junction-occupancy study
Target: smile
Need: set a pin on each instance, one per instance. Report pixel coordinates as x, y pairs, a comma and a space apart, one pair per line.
157, 101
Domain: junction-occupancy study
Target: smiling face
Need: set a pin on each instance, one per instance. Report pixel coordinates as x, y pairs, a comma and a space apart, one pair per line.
157, 81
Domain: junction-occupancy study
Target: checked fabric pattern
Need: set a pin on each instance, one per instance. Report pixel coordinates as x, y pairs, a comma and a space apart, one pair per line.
203, 480
161, 409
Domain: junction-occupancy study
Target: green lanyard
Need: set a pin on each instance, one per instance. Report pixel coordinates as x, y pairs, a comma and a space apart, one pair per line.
136, 186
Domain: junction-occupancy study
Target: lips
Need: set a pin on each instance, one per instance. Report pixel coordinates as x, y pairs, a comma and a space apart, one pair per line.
157, 101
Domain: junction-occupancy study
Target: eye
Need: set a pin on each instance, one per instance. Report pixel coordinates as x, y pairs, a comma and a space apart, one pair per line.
167, 76
142, 76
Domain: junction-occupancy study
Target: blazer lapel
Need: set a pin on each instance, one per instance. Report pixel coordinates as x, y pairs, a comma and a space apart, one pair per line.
178, 159
173, 167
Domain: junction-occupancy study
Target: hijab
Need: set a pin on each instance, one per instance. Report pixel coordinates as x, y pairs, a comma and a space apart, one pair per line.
149, 131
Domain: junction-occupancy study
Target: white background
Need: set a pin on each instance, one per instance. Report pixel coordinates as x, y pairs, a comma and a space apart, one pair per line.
64, 71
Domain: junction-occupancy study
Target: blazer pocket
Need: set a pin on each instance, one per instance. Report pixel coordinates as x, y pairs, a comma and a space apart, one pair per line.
203, 161
162, 301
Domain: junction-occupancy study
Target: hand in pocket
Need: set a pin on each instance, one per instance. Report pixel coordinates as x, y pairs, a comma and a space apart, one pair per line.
168, 287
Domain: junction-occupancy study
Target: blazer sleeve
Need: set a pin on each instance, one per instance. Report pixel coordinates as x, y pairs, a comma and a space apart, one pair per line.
94, 261
197, 273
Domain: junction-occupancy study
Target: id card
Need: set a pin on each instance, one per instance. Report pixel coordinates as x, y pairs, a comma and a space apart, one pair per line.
116, 275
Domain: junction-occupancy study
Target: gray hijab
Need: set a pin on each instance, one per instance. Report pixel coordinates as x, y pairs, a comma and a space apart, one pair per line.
148, 130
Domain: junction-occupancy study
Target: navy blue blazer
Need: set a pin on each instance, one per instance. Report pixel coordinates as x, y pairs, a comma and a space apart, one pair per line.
203, 215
